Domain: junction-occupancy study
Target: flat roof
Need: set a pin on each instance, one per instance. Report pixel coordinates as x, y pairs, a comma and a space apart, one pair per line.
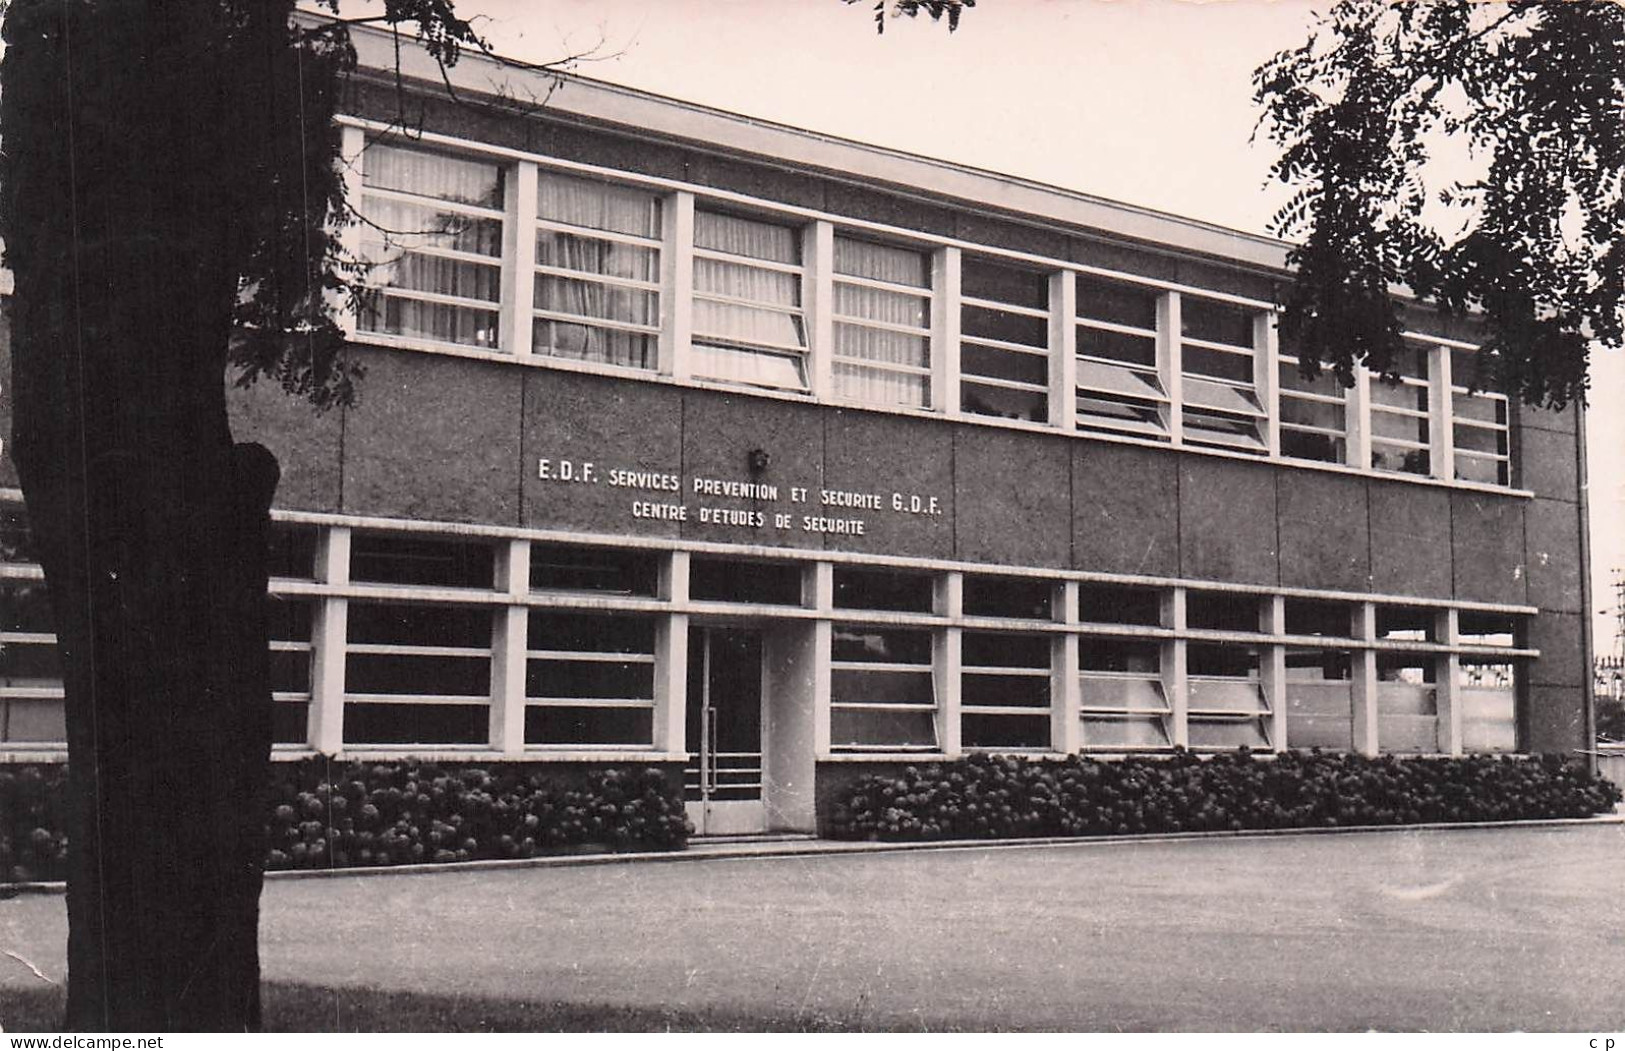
570, 96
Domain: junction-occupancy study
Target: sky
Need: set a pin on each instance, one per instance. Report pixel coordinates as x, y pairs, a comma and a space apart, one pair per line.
1143, 101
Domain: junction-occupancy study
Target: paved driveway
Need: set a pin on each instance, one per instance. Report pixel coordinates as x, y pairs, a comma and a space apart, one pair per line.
1459, 930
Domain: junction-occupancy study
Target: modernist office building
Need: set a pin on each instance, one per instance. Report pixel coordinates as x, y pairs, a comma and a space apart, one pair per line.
692, 440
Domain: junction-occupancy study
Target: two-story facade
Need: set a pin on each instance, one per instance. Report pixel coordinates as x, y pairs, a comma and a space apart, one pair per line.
695, 440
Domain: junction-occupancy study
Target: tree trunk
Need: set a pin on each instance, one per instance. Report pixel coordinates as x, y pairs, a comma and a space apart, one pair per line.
150, 523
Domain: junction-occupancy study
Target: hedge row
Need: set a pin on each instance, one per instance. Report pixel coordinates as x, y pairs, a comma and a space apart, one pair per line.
334, 815
996, 797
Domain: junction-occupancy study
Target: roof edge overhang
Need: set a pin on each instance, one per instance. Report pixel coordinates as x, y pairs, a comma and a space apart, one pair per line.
566, 96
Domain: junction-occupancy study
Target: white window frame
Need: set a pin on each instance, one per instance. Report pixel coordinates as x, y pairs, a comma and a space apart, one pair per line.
502, 263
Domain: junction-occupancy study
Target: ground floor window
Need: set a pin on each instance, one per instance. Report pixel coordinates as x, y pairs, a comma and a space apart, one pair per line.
1124, 704
1005, 691
882, 690
400, 642
417, 674
1227, 707
589, 680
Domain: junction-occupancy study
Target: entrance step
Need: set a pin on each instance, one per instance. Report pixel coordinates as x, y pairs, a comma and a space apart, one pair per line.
751, 837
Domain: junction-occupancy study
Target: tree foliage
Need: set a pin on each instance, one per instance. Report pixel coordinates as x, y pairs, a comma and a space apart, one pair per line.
937, 9
1534, 93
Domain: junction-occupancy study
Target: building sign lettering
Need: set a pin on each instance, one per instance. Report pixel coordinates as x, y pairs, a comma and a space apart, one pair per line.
839, 512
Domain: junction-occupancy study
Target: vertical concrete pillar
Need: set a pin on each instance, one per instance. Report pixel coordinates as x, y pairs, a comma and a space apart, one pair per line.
510, 643
329, 632
949, 602
1363, 695
1175, 680
1066, 688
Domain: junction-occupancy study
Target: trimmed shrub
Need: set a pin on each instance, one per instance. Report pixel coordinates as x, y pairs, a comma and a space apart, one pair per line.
33, 844
1003, 797
334, 815
327, 815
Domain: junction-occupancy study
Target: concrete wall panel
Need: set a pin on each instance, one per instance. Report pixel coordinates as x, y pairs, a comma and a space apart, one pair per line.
1547, 420
306, 442
1124, 505
1410, 539
720, 431
1012, 494
1018, 237
1488, 546
434, 438
1325, 531
862, 203
1552, 553
615, 426
1548, 464
906, 464
1227, 521
1562, 658
1554, 720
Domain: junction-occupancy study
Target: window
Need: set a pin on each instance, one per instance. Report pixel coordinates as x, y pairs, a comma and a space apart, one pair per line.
1226, 705
1221, 611
1120, 384
432, 236
422, 562
883, 589
607, 571
1315, 617
749, 324
1319, 699
597, 295
1004, 341
882, 690
1406, 624
1478, 426
1004, 691
1474, 628
882, 324
1487, 685
291, 551
767, 583
1119, 604
1020, 598
31, 706
417, 674
1222, 405
1124, 705
1400, 428
589, 680
1407, 703
288, 623
1486, 688
1314, 414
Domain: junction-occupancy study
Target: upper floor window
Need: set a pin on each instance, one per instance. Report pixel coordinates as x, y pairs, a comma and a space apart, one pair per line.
1478, 427
597, 295
1004, 341
432, 235
1314, 414
1120, 384
1401, 434
882, 324
749, 323
1222, 403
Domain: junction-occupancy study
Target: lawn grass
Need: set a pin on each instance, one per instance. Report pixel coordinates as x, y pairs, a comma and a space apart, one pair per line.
295, 1008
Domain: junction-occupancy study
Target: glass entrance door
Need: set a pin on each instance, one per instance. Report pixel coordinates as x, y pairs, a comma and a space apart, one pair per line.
722, 782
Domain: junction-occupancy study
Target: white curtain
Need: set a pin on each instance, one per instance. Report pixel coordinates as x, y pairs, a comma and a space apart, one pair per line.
598, 206
898, 266
433, 175
747, 237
